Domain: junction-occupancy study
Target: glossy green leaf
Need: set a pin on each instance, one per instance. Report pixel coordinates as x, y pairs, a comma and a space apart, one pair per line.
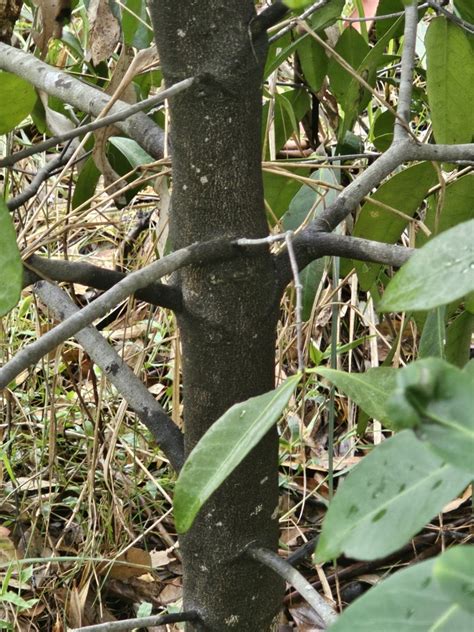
352, 47
279, 190
457, 207
354, 97
297, 4
386, 499
433, 337
450, 82
10, 262
223, 447
326, 15
440, 272
454, 572
383, 130
411, 600
369, 390
18, 98
437, 399
466, 9
403, 192
86, 183
458, 339
136, 26
132, 151
314, 62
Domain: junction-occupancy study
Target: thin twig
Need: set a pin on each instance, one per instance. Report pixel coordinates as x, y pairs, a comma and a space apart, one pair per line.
291, 25
142, 622
406, 74
105, 121
270, 559
467, 26
299, 302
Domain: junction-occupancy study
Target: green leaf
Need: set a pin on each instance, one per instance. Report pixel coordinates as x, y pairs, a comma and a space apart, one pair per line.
432, 339
17, 101
353, 48
297, 4
223, 447
386, 499
438, 273
326, 15
458, 202
458, 339
313, 61
134, 24
454, 571
10, 262
408, 601
86, 183
450, 82
466, 9
437, 399
404, 192
369, 390
279, 191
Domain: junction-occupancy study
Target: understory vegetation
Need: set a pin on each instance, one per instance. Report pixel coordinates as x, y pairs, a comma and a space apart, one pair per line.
329, 354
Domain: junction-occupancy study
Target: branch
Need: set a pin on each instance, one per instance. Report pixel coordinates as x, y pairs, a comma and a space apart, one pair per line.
292, 576
130, 624
291, 25
41, 176
37, 268
402, 121
148, 410
268, 17
195, 254
467, 26
81, 95
121, 115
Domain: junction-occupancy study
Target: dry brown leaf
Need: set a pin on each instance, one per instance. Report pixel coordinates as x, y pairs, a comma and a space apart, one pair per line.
162, 558
457, 502
104, 31
171, 592
137, 562
53, 15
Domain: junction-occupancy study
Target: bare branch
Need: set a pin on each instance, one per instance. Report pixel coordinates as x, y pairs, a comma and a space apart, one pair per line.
268, 17
37, 268
41, 176
130, 624
406, 75
313, 244
194, 254
81, 95
292, 576
149, 411
105, 121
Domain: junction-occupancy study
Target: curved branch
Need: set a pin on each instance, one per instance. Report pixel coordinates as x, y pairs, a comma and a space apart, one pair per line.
292, 576
195, 254
81, 95
37, 268
406, 74
149, 411
130, 624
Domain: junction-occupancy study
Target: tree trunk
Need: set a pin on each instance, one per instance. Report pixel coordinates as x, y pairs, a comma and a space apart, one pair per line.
228, 324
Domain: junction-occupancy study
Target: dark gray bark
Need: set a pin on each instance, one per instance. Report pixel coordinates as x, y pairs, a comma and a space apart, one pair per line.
230, 308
